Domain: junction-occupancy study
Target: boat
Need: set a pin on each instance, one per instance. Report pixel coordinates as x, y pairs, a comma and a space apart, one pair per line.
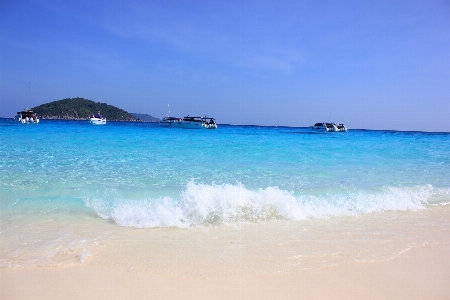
97, 119
198, 123
324, 127
170, 121
210, 123
189, 122
26, 116
329, 127
341, 128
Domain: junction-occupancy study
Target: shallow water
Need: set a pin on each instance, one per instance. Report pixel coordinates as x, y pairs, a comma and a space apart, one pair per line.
281, 198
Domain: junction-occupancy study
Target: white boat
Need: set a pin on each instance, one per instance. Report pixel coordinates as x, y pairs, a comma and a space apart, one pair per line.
97, 119
189, 122
341, 128
198, 123
26, 116
210, 123
328, 127
324, 127
170, 121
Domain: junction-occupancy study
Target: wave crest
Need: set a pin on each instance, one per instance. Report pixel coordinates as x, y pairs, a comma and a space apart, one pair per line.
203, 204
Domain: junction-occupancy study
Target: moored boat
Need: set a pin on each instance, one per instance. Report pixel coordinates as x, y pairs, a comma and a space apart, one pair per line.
26, 116
341, 128
198, 123
97, 119
170, 121
189, 122
328, 127
324, 127
210, 123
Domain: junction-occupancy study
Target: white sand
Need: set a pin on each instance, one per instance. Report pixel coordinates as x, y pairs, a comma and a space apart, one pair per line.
421, 273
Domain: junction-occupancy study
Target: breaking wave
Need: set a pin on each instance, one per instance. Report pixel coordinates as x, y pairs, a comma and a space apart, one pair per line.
203, 205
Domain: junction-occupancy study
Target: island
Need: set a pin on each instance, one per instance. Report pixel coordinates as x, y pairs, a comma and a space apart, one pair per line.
81, 109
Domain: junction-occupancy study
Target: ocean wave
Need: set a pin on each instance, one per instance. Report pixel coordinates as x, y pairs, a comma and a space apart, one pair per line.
203, 205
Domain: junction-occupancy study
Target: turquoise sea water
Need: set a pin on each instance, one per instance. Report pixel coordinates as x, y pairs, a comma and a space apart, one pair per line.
59, 179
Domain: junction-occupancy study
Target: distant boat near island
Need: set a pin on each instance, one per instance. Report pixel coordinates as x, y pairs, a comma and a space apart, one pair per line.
189, 122
97, 119
26, 116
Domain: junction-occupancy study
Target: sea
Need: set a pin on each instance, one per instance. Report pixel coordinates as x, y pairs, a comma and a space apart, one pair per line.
239, 200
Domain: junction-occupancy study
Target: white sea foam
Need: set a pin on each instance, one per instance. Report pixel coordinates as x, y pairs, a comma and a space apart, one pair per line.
203, 204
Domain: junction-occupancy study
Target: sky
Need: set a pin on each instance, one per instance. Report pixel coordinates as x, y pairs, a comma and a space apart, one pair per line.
371, 64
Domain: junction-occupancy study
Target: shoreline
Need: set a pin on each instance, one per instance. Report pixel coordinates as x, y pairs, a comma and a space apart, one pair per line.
421, 273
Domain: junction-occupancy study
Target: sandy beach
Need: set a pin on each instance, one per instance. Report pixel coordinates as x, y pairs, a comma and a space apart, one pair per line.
421, 273
224, 150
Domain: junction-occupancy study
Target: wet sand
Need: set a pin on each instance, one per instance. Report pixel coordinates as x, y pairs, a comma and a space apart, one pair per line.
421, 273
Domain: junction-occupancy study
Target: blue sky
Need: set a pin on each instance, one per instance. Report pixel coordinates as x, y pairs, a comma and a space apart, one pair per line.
370, 64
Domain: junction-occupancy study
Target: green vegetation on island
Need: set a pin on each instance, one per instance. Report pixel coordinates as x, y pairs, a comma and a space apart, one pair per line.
80, 109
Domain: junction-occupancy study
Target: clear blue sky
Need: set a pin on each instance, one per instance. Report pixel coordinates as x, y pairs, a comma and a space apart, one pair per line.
370, 64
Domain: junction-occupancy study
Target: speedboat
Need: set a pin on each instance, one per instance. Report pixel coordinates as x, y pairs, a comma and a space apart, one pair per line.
170, 121
324, 127
26, 116
198, 123
97, 119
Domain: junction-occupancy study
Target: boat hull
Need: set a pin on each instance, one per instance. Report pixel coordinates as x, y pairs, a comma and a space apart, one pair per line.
188, 123
170, 123
197, 125
318, 129
97, 121
26, 117
328, 127
28, 121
